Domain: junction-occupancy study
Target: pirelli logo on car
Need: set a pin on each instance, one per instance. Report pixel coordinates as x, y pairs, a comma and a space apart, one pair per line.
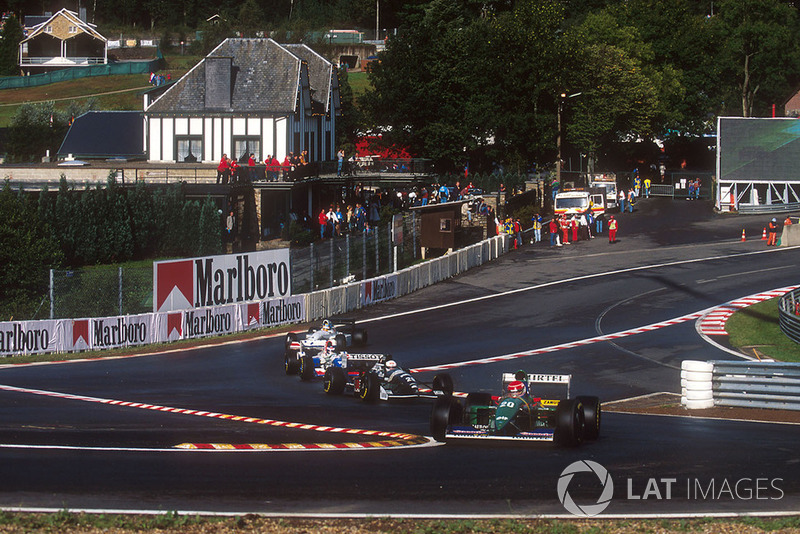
552, 379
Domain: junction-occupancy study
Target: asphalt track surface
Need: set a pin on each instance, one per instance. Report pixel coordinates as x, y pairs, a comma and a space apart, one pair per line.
67, 442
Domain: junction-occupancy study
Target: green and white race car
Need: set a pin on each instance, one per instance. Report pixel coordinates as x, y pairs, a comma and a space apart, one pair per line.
518, 415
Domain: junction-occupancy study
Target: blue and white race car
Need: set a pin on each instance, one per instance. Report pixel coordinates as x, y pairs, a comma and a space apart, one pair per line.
342, 334
369, 377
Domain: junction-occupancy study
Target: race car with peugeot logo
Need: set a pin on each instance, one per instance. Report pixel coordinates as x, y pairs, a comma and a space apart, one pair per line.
519, 414
342, 334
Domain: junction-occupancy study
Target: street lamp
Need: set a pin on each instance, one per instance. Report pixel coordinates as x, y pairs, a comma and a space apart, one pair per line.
562, 98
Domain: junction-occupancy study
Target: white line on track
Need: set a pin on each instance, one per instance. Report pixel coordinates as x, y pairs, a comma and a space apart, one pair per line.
569, 280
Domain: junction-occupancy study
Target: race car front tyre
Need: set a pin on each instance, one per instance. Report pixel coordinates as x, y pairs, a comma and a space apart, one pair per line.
370, 387
443, 382
569, 429
306, 368
291, 337
291, 363
334, 381
591, 417
359, 337
446, 410
340, 342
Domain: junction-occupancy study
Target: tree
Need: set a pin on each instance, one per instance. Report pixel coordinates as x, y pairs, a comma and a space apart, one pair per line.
463, 83
759, 53
27, 253
617, 101
350, 121
10, 37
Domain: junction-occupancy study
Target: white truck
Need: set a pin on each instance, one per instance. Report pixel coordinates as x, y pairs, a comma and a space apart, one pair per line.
608, 182
577, 201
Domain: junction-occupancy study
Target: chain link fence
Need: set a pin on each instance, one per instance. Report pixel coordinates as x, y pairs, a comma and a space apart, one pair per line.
101, 292
111, 291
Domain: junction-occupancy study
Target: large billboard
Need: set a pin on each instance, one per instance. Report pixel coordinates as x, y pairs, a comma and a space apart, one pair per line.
759, 149
220, 280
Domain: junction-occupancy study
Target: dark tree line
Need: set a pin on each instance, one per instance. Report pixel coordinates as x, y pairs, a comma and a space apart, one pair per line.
102, 225
482, 82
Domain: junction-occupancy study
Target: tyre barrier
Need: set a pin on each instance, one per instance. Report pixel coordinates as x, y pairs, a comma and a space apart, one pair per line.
774, 385
696, 385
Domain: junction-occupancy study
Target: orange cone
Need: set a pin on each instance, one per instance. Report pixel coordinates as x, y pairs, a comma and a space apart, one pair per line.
764, 235
743, 239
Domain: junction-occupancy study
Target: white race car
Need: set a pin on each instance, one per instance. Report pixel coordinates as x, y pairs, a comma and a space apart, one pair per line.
341, 335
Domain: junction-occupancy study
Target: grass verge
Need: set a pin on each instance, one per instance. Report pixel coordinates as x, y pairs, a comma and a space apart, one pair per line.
68, 523
755, 331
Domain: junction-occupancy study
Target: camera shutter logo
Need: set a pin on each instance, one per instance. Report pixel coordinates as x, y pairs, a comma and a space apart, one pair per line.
585, 466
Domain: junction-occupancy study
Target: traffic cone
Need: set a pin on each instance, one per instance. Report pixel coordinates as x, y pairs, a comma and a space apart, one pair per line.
764, 235
743, 239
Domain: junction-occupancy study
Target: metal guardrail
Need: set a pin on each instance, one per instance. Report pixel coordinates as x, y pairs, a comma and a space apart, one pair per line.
768, 208
789, 315
774, 385
757, 384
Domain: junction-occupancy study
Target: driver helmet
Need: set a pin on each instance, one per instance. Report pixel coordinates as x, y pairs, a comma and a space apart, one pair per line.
391, 364
326, 325
516, 388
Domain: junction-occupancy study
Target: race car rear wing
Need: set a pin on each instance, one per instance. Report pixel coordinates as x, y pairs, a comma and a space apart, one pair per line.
364, 360
533, 378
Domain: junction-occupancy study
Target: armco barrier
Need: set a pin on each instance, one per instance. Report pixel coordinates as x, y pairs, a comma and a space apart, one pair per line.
789, 315
75, 335
773, 385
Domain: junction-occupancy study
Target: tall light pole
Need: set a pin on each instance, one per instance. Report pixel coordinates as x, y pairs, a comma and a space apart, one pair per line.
562, 98
377, 19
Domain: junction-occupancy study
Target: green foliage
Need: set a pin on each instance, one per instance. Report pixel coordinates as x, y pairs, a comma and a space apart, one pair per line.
27, 252
297, 235
111, 224
351, 120
10, 37
39, 127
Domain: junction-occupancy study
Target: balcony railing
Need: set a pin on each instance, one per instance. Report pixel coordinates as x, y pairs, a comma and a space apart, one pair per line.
62, 61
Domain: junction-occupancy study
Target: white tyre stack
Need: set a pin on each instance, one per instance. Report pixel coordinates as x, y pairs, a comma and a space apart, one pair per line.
696, 389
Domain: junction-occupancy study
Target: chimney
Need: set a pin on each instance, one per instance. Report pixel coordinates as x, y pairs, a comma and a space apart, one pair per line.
219, 82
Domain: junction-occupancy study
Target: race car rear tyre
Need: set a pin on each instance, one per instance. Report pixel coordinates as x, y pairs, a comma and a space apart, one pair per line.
359, 337
307, 371
592, 414
340, 342
370, 389
334, 381
290, 338
444, 383
569, 430
446, 411
291, 363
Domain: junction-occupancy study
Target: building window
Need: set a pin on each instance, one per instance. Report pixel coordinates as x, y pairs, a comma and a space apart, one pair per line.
48, 29
73, 29
244, 146
189, 149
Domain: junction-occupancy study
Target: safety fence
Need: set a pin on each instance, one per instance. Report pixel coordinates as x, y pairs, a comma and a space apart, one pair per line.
94, 333
773, 385
351, 257
73, 73
789, 315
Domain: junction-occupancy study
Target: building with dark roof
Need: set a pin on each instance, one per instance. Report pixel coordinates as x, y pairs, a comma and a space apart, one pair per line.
60, 41
247, 96
104, 135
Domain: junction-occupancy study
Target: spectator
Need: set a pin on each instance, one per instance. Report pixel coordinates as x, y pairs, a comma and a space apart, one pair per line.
223, 170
